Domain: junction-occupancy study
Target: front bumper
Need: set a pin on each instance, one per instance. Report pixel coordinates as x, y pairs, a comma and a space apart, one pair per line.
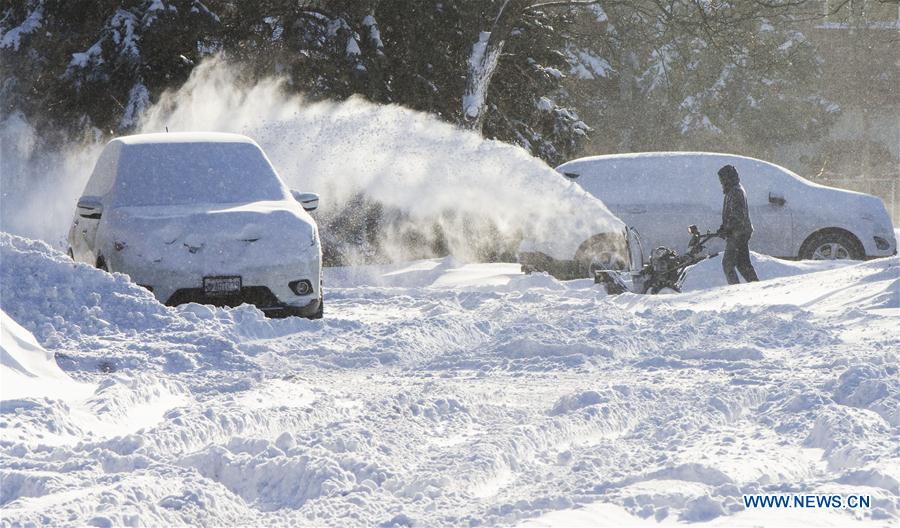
265, 286
259, 296
535, 261
881, 244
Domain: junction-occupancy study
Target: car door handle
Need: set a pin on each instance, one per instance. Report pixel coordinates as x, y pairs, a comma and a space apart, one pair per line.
776, 199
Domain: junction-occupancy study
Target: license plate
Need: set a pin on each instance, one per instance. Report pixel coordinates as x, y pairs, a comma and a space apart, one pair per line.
221, 286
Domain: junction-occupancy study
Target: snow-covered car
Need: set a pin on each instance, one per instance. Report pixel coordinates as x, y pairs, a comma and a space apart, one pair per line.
201, 217
662, 193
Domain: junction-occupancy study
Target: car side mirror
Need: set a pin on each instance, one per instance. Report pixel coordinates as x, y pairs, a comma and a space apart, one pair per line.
90, 207
309, 201
776, 199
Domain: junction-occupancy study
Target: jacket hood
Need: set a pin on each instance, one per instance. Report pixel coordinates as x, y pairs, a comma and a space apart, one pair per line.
728, 176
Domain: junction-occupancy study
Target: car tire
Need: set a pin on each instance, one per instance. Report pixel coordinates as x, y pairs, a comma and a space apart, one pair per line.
71, 254
832, 245
101, 264
320, 313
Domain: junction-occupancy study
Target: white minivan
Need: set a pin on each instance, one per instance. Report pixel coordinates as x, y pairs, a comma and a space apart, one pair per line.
661, 193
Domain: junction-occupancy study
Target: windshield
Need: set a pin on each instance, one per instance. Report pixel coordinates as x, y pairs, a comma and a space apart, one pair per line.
195, 173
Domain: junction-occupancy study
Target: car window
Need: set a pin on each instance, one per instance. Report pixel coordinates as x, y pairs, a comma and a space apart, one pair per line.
762, 179
649, 180
104, 174
195, 173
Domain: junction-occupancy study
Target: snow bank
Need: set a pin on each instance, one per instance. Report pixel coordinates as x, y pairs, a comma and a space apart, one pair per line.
28, 370
452, 273
708, 273
72, 307
48, 293
439, 393
447, 274
872, 287
873, 387
42, 404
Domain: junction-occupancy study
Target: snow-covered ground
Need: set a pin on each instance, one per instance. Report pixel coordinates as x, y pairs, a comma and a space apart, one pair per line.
441, 394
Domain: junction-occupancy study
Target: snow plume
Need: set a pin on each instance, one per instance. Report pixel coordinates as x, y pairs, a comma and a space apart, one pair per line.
395, 183
39, 186
440, 189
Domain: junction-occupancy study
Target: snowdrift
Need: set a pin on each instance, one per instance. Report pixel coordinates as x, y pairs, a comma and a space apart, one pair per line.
708, 274
441, 393
869, 287
46, 292
72, 307
28, 370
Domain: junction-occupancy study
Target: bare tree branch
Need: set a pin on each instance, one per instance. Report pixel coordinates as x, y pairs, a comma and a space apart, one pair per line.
560, 3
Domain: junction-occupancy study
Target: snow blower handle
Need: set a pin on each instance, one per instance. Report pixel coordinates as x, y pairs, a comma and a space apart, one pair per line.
697, 242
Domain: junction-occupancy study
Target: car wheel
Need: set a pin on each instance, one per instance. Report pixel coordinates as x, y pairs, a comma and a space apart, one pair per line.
320, 313
101, 264
832, 246
71, 254
603, 251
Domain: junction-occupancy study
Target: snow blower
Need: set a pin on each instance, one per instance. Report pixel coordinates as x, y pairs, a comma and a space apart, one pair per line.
665, 271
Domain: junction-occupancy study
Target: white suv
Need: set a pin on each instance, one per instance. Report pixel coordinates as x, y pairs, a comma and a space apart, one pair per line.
201, 217
661, 193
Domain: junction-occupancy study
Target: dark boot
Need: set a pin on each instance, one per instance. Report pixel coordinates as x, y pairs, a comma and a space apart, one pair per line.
748, 273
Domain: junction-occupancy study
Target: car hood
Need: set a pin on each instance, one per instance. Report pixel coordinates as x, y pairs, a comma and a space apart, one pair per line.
211, 238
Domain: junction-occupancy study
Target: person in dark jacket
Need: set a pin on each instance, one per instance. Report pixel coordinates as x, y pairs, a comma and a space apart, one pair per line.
736, 228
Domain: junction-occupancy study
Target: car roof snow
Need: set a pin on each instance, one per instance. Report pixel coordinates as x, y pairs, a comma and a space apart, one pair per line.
183, 137
652, 157
663, 154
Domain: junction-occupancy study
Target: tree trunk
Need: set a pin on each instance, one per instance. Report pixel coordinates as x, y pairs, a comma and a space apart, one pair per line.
483, 62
